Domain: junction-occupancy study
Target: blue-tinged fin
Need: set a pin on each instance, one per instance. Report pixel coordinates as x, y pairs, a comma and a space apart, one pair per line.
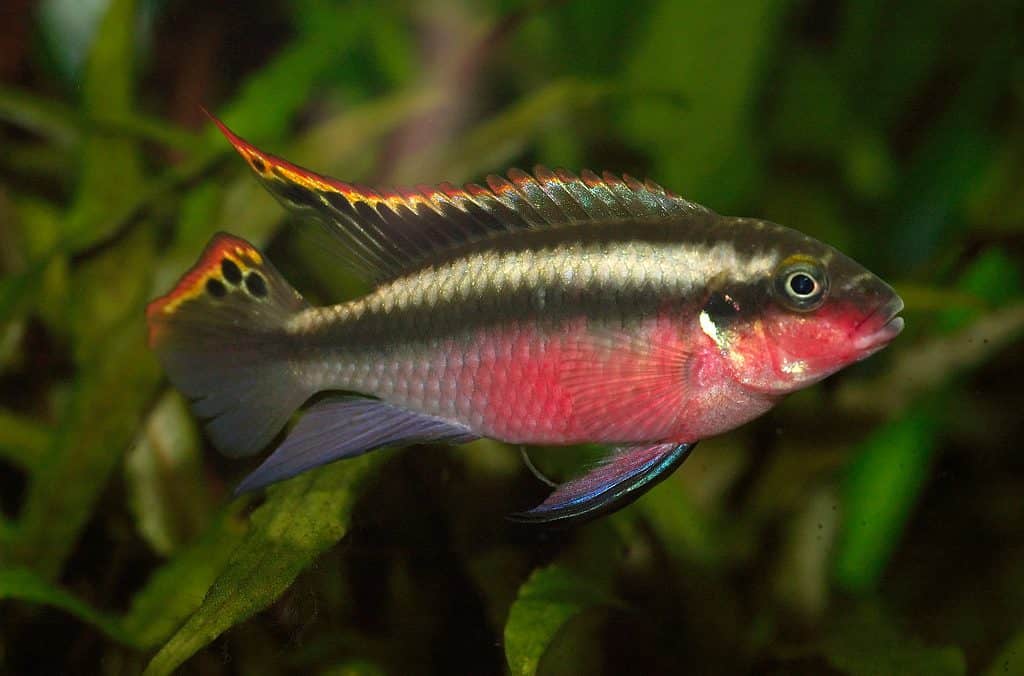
617, 481
385, 233
344, 427
220, 335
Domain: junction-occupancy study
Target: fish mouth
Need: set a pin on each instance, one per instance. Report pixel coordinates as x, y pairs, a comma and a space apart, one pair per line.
882, 325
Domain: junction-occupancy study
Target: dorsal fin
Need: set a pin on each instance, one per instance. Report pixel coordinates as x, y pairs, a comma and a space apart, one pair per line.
387, 232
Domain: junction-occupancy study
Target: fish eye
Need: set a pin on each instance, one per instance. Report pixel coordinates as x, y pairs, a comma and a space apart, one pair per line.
801, 284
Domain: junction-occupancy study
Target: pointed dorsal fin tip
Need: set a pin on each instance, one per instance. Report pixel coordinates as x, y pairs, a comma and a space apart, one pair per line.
386, 231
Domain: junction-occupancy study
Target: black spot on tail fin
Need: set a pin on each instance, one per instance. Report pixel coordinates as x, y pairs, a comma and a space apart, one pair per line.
221, 336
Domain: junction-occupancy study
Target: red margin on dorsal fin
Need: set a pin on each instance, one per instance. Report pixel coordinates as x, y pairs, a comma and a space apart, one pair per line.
270, 167
386, 233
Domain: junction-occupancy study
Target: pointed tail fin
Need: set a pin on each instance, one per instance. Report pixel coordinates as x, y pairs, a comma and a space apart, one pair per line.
221, 337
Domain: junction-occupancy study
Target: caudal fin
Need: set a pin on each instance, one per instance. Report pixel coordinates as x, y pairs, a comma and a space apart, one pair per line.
220, 335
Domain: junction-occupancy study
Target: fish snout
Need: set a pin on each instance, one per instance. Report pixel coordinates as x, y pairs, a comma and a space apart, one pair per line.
880, 327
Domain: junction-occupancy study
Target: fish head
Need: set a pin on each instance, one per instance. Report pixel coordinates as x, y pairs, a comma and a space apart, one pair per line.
807, 312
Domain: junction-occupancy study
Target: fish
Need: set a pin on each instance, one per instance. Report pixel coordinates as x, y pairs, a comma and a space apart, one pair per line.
548, 308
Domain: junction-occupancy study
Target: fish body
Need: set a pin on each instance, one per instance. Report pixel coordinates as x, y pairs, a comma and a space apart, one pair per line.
546, 309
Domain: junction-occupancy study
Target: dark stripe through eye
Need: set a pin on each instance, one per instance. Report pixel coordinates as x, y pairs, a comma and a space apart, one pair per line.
256, 285
230, 271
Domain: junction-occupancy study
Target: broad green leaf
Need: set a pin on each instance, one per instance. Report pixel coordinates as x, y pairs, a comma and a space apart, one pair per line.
7, 532
549, 600
809, 78
879, 490
683, 529
41, 231
493, 143
887, 51
710, 54
62, 125
954, 156
301, 519
355, 668
114, 380
996, 203
166, 485
994, 277
865, 642
24, 585
45, 118
289, 79
106, 404
110, 165
174, 591
1010, 660
22, 439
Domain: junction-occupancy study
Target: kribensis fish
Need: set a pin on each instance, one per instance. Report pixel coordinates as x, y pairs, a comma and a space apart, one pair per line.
543, 309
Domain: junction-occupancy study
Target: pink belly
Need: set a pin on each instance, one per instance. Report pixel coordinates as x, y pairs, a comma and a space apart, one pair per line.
511, 384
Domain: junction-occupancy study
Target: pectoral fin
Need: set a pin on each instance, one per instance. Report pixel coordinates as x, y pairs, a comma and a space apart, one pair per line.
619, 480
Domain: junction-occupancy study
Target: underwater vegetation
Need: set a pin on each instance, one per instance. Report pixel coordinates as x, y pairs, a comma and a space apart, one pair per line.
871, 523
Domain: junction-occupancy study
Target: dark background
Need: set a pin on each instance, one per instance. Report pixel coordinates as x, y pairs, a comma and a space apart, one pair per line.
872, 524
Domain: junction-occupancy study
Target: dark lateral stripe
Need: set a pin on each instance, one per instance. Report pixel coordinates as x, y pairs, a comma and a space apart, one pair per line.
434, 305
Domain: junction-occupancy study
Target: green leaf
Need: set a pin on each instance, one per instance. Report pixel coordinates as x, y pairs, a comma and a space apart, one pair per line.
546, 603
62, 125
25, 585
1010, 660
709, 54
993, 276
493, 143
22, 440
682, 528
288, 80
865, 642
301, 519
45, 118
177, 589
102, 415
111, 165
880, 489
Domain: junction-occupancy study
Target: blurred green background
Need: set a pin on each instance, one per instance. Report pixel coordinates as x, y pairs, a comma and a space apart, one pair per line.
872, 524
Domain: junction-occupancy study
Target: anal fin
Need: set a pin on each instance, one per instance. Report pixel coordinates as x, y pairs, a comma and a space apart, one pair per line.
616, 482
345, 427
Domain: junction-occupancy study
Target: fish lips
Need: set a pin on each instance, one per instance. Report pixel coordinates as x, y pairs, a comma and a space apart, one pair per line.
879, 328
